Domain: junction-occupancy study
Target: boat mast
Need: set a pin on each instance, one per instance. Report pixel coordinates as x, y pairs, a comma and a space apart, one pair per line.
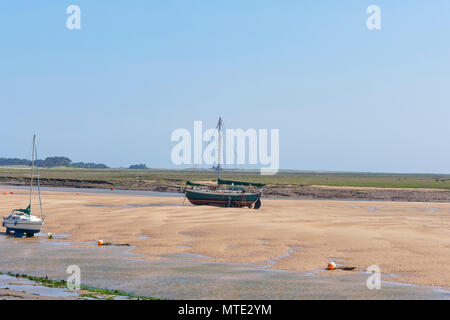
219, 129
32, 166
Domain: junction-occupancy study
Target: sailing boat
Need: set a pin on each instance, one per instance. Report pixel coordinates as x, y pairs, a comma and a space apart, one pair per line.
227, 193
20, 220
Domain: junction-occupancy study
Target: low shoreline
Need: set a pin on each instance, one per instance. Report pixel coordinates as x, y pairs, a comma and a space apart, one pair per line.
271, 191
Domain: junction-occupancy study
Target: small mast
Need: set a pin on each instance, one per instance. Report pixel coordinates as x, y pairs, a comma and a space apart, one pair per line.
219, 129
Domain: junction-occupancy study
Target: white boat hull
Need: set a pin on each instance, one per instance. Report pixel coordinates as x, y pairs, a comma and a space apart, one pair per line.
23, 224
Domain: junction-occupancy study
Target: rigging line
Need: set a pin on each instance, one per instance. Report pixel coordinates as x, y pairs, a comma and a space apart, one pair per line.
212, 139
201, 155
32, 167
235, 155
234, 148
224, 143
39, 187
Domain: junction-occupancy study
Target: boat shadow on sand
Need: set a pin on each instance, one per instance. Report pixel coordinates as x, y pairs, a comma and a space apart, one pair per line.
16, 235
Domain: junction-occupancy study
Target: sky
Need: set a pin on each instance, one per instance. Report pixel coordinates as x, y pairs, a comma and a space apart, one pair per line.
345, 98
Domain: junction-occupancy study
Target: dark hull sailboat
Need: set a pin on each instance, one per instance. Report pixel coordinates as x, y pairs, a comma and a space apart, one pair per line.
223, 199
235, 195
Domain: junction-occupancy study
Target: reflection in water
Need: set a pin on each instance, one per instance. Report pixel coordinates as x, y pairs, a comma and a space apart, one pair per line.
25, 285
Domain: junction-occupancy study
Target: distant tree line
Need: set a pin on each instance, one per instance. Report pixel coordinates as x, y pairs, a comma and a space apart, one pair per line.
51, 162
14, 162
89, 165
140, 166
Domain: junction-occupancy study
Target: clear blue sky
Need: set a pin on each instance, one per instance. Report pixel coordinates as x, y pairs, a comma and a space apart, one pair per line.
344, 98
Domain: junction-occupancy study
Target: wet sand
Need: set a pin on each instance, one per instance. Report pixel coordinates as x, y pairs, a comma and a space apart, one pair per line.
410, 240
182, 276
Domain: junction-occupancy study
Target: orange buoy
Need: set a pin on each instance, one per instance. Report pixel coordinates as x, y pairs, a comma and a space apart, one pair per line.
5, 193
100, 243
331, 265
77, 193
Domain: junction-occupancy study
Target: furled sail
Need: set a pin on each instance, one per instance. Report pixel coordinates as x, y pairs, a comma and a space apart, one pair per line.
239, 183
195, 184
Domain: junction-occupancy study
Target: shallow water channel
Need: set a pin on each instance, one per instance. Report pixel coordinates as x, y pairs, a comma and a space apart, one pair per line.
187, 276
